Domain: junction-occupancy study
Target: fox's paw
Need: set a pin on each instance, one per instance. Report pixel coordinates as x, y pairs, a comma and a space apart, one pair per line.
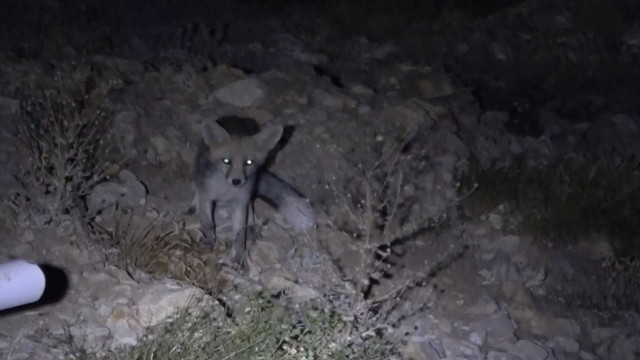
208, 235
190, 211
236, 264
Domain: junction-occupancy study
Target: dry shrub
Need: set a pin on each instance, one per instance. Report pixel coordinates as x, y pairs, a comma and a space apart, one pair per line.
66, 132
380, 216
160, 247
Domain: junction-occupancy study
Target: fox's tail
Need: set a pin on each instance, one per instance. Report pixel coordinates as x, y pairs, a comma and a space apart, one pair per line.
284, 197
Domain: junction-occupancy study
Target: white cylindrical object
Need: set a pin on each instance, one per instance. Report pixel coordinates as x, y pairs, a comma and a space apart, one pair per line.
20, 283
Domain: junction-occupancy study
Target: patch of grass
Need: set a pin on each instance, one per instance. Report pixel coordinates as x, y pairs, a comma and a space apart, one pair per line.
265, 330
564, 201
160, 247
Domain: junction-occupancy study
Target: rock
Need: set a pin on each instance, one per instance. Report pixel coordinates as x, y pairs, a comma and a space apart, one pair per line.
424, 348
165, 147
528, 350
564, 344
290, 46
587, 356
625, 348
73, 254
501, 51
433, 349
163, 300
599, 335
9, 106
267, 258
484, 306
125, 131
497, 355
293, 290
494, 119
515, 146
378, 51
478, 337
4, 344
435, 84
495, 220
412, 350
458, 348
124, 327
90, 335
625, 125
359, 89
408, 115
124, 66
594, 249
508, 243
544, 325
364, 109
499, 330
505, 272
126, 190
242, 93
161, 147
552, 124
334, 101
567, 328
534, 278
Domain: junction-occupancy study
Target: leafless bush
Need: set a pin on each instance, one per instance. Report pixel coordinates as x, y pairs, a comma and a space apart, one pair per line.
66, 133
379, 214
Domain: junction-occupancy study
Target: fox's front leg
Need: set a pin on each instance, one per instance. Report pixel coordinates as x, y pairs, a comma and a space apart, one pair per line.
239, 219
206, 210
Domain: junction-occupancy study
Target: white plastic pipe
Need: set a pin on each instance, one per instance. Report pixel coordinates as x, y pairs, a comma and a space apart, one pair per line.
20, 283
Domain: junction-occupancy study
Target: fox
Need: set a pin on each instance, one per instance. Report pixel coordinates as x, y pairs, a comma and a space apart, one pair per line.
229, 171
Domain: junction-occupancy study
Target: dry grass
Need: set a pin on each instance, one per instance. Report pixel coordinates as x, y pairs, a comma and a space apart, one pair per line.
160, 247
266, 331
66, 133
565, 201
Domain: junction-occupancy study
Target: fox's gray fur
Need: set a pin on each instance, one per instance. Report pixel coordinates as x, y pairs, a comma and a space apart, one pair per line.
229, 172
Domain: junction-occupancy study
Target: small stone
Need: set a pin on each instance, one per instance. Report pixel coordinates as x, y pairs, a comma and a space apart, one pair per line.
499, 330
587, 356
625, 348
359, 89
564, 344
478, 337
528, 350
124, 328
497, 355
161, 301
9, 106
496, 221
598, 335
484, 306
242, 93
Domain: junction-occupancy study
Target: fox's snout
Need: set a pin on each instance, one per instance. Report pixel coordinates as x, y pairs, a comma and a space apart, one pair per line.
236, 175
236, 181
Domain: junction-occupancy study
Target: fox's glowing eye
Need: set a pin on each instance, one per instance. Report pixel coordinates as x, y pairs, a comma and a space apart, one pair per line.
249, 162
226, 161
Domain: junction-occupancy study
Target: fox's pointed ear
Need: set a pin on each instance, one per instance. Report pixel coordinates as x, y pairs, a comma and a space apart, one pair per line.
267, 139
214, 135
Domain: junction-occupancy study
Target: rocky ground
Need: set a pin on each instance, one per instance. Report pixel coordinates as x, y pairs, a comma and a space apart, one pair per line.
417, 153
